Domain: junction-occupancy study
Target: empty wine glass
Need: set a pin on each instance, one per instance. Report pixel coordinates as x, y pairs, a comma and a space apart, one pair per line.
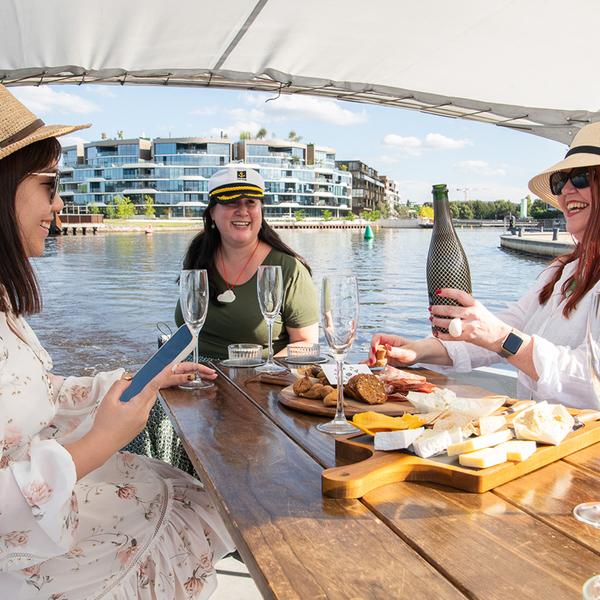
589, 512
339, 314
269, 287
193, 297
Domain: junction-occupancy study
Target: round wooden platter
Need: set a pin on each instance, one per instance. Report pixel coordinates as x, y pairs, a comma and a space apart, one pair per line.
351, 407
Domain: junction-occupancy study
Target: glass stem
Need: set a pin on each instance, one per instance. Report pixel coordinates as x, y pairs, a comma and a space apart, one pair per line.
195, 355
270, 328
339, 410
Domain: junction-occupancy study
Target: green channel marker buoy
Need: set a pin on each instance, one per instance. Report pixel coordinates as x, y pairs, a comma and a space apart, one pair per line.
369, 233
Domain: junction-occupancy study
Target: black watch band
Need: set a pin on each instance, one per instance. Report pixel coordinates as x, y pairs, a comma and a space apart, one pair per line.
511, 344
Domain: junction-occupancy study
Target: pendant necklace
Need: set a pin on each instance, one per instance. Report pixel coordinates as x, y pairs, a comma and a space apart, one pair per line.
228, 295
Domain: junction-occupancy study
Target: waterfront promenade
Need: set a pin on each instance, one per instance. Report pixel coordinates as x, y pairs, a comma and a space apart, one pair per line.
539, 243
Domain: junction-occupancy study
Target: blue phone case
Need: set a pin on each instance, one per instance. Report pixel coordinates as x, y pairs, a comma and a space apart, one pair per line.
179, 345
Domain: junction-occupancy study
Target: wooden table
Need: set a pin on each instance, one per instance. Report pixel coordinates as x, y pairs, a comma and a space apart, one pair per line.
263, 463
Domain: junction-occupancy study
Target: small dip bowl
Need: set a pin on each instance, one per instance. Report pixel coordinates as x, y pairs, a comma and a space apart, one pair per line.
245, 354
303, 352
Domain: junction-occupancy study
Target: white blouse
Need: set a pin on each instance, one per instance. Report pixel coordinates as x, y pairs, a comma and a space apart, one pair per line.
559, 348
134, 528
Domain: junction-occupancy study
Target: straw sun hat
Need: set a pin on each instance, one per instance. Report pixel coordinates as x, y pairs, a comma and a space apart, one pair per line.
19, 127
583, 152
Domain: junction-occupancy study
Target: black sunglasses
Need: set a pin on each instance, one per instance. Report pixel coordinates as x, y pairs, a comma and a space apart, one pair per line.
56, 182
579, 178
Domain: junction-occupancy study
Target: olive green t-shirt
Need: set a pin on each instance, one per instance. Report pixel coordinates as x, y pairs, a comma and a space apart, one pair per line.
242, 322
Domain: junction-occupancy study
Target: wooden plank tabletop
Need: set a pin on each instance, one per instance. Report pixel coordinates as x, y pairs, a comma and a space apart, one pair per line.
518, 541
295, 543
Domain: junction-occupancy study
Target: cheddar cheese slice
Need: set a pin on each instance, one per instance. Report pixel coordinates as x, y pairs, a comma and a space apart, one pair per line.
481, 459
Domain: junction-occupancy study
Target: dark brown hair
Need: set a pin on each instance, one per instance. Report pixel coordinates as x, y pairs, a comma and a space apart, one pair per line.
203, 248
587, 273
19, 290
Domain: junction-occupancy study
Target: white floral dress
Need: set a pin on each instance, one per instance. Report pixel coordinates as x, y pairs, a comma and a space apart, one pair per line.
134, 528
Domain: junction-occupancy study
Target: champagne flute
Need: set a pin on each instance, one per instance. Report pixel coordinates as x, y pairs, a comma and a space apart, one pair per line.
269, 287
589, 512
193, 298
339, 313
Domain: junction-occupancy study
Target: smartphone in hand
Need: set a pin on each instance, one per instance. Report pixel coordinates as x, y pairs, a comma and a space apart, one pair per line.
175, 349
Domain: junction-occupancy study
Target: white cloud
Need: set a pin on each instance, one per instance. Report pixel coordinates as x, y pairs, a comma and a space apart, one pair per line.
45, 99
481, 167
437, 140
104, 91
414, 146
72, 140
296, 106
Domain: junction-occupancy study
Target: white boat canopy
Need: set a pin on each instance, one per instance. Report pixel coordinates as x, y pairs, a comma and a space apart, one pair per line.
524, 64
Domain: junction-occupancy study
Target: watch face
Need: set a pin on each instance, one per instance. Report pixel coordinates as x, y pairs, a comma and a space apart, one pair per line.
512, 343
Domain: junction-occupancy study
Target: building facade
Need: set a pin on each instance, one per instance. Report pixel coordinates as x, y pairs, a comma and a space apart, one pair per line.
173, 173
368, 189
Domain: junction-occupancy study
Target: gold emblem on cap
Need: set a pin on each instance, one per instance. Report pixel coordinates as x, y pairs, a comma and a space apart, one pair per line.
241, 174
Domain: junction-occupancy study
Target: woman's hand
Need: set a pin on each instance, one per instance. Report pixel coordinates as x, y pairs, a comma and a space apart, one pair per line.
400, 351
479, 325
172, 375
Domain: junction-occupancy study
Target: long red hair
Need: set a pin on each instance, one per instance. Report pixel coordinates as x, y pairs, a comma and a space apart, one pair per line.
587, 251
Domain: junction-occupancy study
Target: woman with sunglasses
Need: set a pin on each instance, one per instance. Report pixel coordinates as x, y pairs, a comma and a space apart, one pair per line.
543, 334
79, 519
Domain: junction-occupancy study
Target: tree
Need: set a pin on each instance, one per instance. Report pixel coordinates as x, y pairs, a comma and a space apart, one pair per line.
262, 133
466, 212
149, 206
327, 215
343, 167
120, 134
245, 135
94, 209
426, 212
350, 216
299, 215
111, 211
124, 207
103, 136
293, 136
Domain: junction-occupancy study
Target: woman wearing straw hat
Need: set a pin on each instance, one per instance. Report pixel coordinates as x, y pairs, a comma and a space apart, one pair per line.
543, 334
78, 519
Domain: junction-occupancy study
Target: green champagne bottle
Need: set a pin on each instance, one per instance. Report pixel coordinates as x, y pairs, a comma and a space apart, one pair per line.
447, 264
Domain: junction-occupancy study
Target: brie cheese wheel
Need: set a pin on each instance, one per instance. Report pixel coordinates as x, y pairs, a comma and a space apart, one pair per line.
491, 424
518, 450
483, 441
481, 459
546, 423
397, 440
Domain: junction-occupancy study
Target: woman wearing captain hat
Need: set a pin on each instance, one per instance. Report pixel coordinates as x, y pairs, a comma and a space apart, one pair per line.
78, 519
543, 334
236, 240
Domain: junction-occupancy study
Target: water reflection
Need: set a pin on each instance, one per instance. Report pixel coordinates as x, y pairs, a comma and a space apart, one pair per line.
104, 294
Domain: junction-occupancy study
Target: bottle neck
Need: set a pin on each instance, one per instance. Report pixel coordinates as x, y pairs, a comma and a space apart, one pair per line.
442, 215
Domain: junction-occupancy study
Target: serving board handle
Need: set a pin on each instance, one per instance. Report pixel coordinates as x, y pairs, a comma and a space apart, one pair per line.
358, 479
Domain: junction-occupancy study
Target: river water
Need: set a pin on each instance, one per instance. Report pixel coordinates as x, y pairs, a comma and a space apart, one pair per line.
103, 295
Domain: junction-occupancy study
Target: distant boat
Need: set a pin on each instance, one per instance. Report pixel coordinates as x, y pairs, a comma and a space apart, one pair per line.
148, 231
425, 222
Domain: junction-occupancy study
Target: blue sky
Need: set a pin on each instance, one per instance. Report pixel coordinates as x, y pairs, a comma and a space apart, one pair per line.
415, 149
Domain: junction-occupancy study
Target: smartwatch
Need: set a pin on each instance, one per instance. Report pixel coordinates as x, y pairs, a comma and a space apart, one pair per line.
511, 344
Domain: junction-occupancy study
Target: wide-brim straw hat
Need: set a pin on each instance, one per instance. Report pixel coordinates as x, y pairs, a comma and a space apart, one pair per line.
583, 152
19, 127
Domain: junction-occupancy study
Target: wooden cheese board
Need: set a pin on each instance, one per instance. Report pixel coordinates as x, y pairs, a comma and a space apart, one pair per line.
365, 468
288, 398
